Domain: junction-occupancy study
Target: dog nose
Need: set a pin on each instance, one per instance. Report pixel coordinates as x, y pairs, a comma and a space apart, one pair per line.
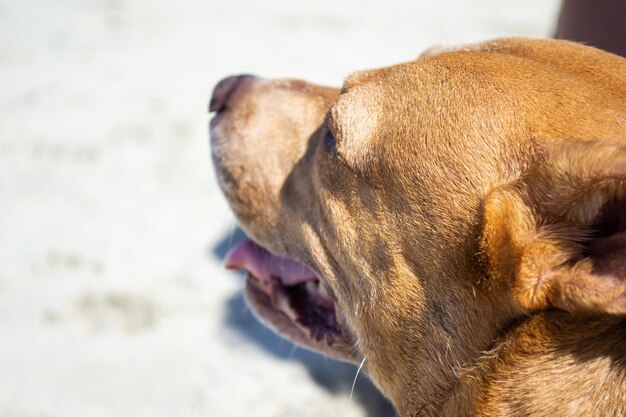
224, 90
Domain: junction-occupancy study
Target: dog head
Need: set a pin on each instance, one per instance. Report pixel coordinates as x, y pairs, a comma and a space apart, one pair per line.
412, 216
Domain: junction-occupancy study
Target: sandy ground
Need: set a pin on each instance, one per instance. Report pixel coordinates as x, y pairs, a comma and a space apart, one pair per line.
113, 301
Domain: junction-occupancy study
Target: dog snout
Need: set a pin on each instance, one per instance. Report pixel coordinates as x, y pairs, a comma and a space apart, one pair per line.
223, 91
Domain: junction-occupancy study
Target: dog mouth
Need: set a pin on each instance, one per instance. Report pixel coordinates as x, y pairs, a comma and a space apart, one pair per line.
293, 300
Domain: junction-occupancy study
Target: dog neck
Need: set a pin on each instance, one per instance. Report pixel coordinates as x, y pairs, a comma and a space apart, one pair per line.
575, 364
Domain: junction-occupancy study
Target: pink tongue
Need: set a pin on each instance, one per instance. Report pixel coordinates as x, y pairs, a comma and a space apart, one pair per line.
263, 265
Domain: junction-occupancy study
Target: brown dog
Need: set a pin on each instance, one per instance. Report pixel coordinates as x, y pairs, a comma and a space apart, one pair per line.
462, 219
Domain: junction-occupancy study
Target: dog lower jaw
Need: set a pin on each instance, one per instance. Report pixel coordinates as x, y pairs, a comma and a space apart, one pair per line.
292, 299
274, 306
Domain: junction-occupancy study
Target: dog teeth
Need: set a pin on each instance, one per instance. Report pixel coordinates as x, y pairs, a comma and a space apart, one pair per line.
322, 289
312, 286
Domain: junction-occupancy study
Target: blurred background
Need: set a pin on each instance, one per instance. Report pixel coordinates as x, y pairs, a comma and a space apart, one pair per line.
113, 300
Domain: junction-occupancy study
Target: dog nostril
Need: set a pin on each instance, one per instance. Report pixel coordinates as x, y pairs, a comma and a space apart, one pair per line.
223, 90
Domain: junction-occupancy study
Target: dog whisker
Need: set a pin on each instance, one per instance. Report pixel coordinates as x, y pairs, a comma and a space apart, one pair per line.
358, 371
294, 349
231, 231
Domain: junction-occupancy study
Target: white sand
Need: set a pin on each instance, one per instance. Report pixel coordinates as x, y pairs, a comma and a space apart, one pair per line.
112, 298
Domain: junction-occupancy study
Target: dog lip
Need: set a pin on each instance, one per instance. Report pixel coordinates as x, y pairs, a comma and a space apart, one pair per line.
265, 266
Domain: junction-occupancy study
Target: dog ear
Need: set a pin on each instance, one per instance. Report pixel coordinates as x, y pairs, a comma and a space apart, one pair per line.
556, 238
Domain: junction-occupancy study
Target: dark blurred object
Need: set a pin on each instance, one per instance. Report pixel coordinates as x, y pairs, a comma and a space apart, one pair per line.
599, 23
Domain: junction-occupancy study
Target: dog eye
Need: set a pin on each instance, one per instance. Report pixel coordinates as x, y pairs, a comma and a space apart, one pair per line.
329, 141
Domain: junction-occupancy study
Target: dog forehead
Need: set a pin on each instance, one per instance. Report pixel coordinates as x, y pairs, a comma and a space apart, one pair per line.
354, 119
